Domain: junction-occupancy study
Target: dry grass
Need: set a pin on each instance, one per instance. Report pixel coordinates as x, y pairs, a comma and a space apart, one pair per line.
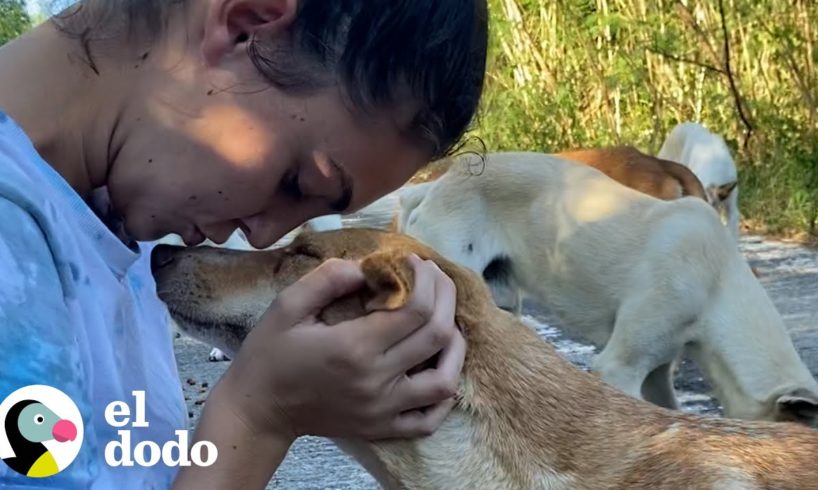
583, 73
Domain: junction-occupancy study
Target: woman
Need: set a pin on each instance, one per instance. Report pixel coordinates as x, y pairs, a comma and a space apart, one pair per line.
126, 120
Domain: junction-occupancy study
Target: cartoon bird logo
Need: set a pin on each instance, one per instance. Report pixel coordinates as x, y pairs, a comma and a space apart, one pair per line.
28, 425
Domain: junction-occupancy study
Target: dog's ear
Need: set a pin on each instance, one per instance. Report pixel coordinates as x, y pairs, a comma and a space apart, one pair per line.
389, 278
724, 191
799, 405
409, 198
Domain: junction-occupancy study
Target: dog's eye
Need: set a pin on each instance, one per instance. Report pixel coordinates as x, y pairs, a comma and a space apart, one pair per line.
307, 250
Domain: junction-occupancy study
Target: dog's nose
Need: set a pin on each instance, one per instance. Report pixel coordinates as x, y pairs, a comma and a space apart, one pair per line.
162, 256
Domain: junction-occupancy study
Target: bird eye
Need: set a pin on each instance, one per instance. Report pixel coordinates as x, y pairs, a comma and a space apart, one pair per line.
39, 419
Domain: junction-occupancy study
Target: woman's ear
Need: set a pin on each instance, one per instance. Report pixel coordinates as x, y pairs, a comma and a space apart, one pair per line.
230, 24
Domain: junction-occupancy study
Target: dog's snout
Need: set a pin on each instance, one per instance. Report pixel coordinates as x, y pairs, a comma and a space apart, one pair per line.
162, 256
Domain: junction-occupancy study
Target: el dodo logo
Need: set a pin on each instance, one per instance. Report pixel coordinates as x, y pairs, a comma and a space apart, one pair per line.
149, 453
40, 431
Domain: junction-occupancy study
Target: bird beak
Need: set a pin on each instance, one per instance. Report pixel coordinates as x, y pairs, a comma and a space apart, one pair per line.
64, 430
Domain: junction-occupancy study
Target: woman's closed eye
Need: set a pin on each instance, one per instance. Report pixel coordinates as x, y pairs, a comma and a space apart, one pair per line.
291, 185
333, 188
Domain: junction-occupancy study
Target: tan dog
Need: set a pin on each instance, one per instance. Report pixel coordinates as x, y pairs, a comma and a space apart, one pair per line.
237, 241
656, 177
645, 280
662, 179
526, 418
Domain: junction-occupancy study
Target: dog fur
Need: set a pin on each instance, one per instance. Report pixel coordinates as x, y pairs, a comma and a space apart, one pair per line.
659, 178
237, 241
409, 197
706, 154
525, 417
646, 280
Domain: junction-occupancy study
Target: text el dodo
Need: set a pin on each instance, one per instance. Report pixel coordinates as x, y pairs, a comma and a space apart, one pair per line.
148, 453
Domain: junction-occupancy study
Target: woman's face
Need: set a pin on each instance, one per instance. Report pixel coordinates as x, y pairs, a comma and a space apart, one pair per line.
204, 149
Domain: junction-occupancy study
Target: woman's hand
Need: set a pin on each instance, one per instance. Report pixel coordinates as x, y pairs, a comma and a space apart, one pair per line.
295, 376
349, 380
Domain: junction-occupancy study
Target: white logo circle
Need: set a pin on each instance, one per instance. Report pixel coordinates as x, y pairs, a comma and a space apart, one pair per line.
40, 431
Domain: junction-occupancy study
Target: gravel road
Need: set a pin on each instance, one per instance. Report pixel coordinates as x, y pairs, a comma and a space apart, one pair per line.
788, 272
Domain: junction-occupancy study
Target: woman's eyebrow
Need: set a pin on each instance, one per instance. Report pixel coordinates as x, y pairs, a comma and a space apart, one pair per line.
347, 189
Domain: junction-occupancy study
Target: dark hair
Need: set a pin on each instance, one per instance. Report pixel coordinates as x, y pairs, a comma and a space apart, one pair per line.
375, 51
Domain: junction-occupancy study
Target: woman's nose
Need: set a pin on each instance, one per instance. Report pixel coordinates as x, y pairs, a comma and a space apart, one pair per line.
263, 231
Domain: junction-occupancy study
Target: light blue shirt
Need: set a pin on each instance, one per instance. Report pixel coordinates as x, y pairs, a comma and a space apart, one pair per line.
79, 312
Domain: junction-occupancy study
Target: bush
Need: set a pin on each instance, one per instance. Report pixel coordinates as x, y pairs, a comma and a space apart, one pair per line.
583, 73
14, 20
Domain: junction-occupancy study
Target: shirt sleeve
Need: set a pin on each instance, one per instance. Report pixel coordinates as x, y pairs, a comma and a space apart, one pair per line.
39, 345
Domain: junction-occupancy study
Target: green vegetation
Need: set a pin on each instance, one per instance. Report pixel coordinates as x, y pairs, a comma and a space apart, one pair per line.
582, 73
13, 19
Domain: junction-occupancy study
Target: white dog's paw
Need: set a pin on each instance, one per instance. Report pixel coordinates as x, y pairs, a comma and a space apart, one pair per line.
217, 356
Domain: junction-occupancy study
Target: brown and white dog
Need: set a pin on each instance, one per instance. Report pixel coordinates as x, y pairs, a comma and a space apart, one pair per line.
662, 179
656, 177
525, 419
645, 280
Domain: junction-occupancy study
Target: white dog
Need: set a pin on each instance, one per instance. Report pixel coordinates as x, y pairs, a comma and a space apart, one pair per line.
237, 241
646, 280
706, 155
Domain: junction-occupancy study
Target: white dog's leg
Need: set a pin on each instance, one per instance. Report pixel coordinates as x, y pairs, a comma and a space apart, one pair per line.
658, 387
513, 302
517, 309
621, 375
644, 340
507, 297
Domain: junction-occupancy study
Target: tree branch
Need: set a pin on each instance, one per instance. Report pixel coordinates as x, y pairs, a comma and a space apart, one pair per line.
728, 71
690, 18
687, 60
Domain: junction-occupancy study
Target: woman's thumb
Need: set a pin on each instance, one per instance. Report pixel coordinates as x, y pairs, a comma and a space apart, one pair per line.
320, 287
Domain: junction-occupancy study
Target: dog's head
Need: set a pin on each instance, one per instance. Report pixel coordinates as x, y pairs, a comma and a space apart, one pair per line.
718, 194
217, 295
